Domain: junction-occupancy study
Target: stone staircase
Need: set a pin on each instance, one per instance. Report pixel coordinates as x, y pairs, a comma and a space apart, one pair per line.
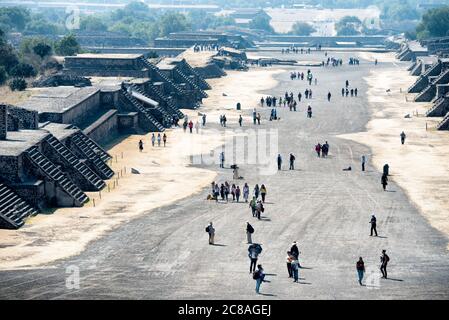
427, 94
13, 209
148, 122
54, 174
423, 81
97, 163
90, 178
162, 76
431, 90
444, 124
188, 80
416, 70
419, 85
434, 111
202, 83
95, 147
170, 106
163, 112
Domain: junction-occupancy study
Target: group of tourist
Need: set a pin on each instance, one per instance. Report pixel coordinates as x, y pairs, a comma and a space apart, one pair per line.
190, 125
301, 76
346, 91
225, 189
293, 49
354, 61
159, 138
257, 205
223, 120
202, 47
333, 62
322, 150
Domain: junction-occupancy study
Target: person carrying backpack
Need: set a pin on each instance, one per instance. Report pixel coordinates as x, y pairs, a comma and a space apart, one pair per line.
249, 232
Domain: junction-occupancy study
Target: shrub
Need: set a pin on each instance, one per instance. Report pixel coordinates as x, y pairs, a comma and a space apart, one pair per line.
18, 84
23, 70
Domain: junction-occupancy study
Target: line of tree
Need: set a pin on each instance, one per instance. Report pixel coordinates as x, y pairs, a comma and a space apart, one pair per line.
434, 23
35, 56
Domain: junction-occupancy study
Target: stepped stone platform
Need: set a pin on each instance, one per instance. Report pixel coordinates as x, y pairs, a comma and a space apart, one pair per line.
48, 165
49, 144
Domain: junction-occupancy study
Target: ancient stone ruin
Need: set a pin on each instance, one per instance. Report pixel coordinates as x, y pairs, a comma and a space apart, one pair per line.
432, 84
50, 145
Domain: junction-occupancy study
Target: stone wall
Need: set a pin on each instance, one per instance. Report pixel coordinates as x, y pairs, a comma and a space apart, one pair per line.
104, 129
3, 121
88, 107
28, 119
9, 169
128, 122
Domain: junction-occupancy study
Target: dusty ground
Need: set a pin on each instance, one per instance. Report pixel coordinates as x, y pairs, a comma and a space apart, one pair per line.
163, 253
420, 167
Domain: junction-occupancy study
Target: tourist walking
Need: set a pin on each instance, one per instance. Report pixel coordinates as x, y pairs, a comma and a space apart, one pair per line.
318, 149
164, 138
211, 231
289, 260
204, 119
222, 159
295, 269
256, 191
373, 223
240, 120
263, 192
279, 160
158, 139
245, 192
329, 95
153, 139
294, 250
259, 209
237, 193
253, 206
259, 276
360, 267
384, 259
384, 181
309, 111
197, 126
249, 232
253, 253
403, 136
292, 162
140, 145
363, 162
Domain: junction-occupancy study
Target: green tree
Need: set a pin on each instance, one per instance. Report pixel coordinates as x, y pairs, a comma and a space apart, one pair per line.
41, 26
434, 23
67, 46
348, 26
261, 22
15, 17
8, 56
302, 29
172, 22
42, 49
92, 23
24, 70
18, 84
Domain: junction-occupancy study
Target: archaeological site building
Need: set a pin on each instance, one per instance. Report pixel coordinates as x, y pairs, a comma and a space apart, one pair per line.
51, 150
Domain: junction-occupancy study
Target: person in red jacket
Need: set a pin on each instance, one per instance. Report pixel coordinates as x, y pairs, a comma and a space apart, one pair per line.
190, 126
